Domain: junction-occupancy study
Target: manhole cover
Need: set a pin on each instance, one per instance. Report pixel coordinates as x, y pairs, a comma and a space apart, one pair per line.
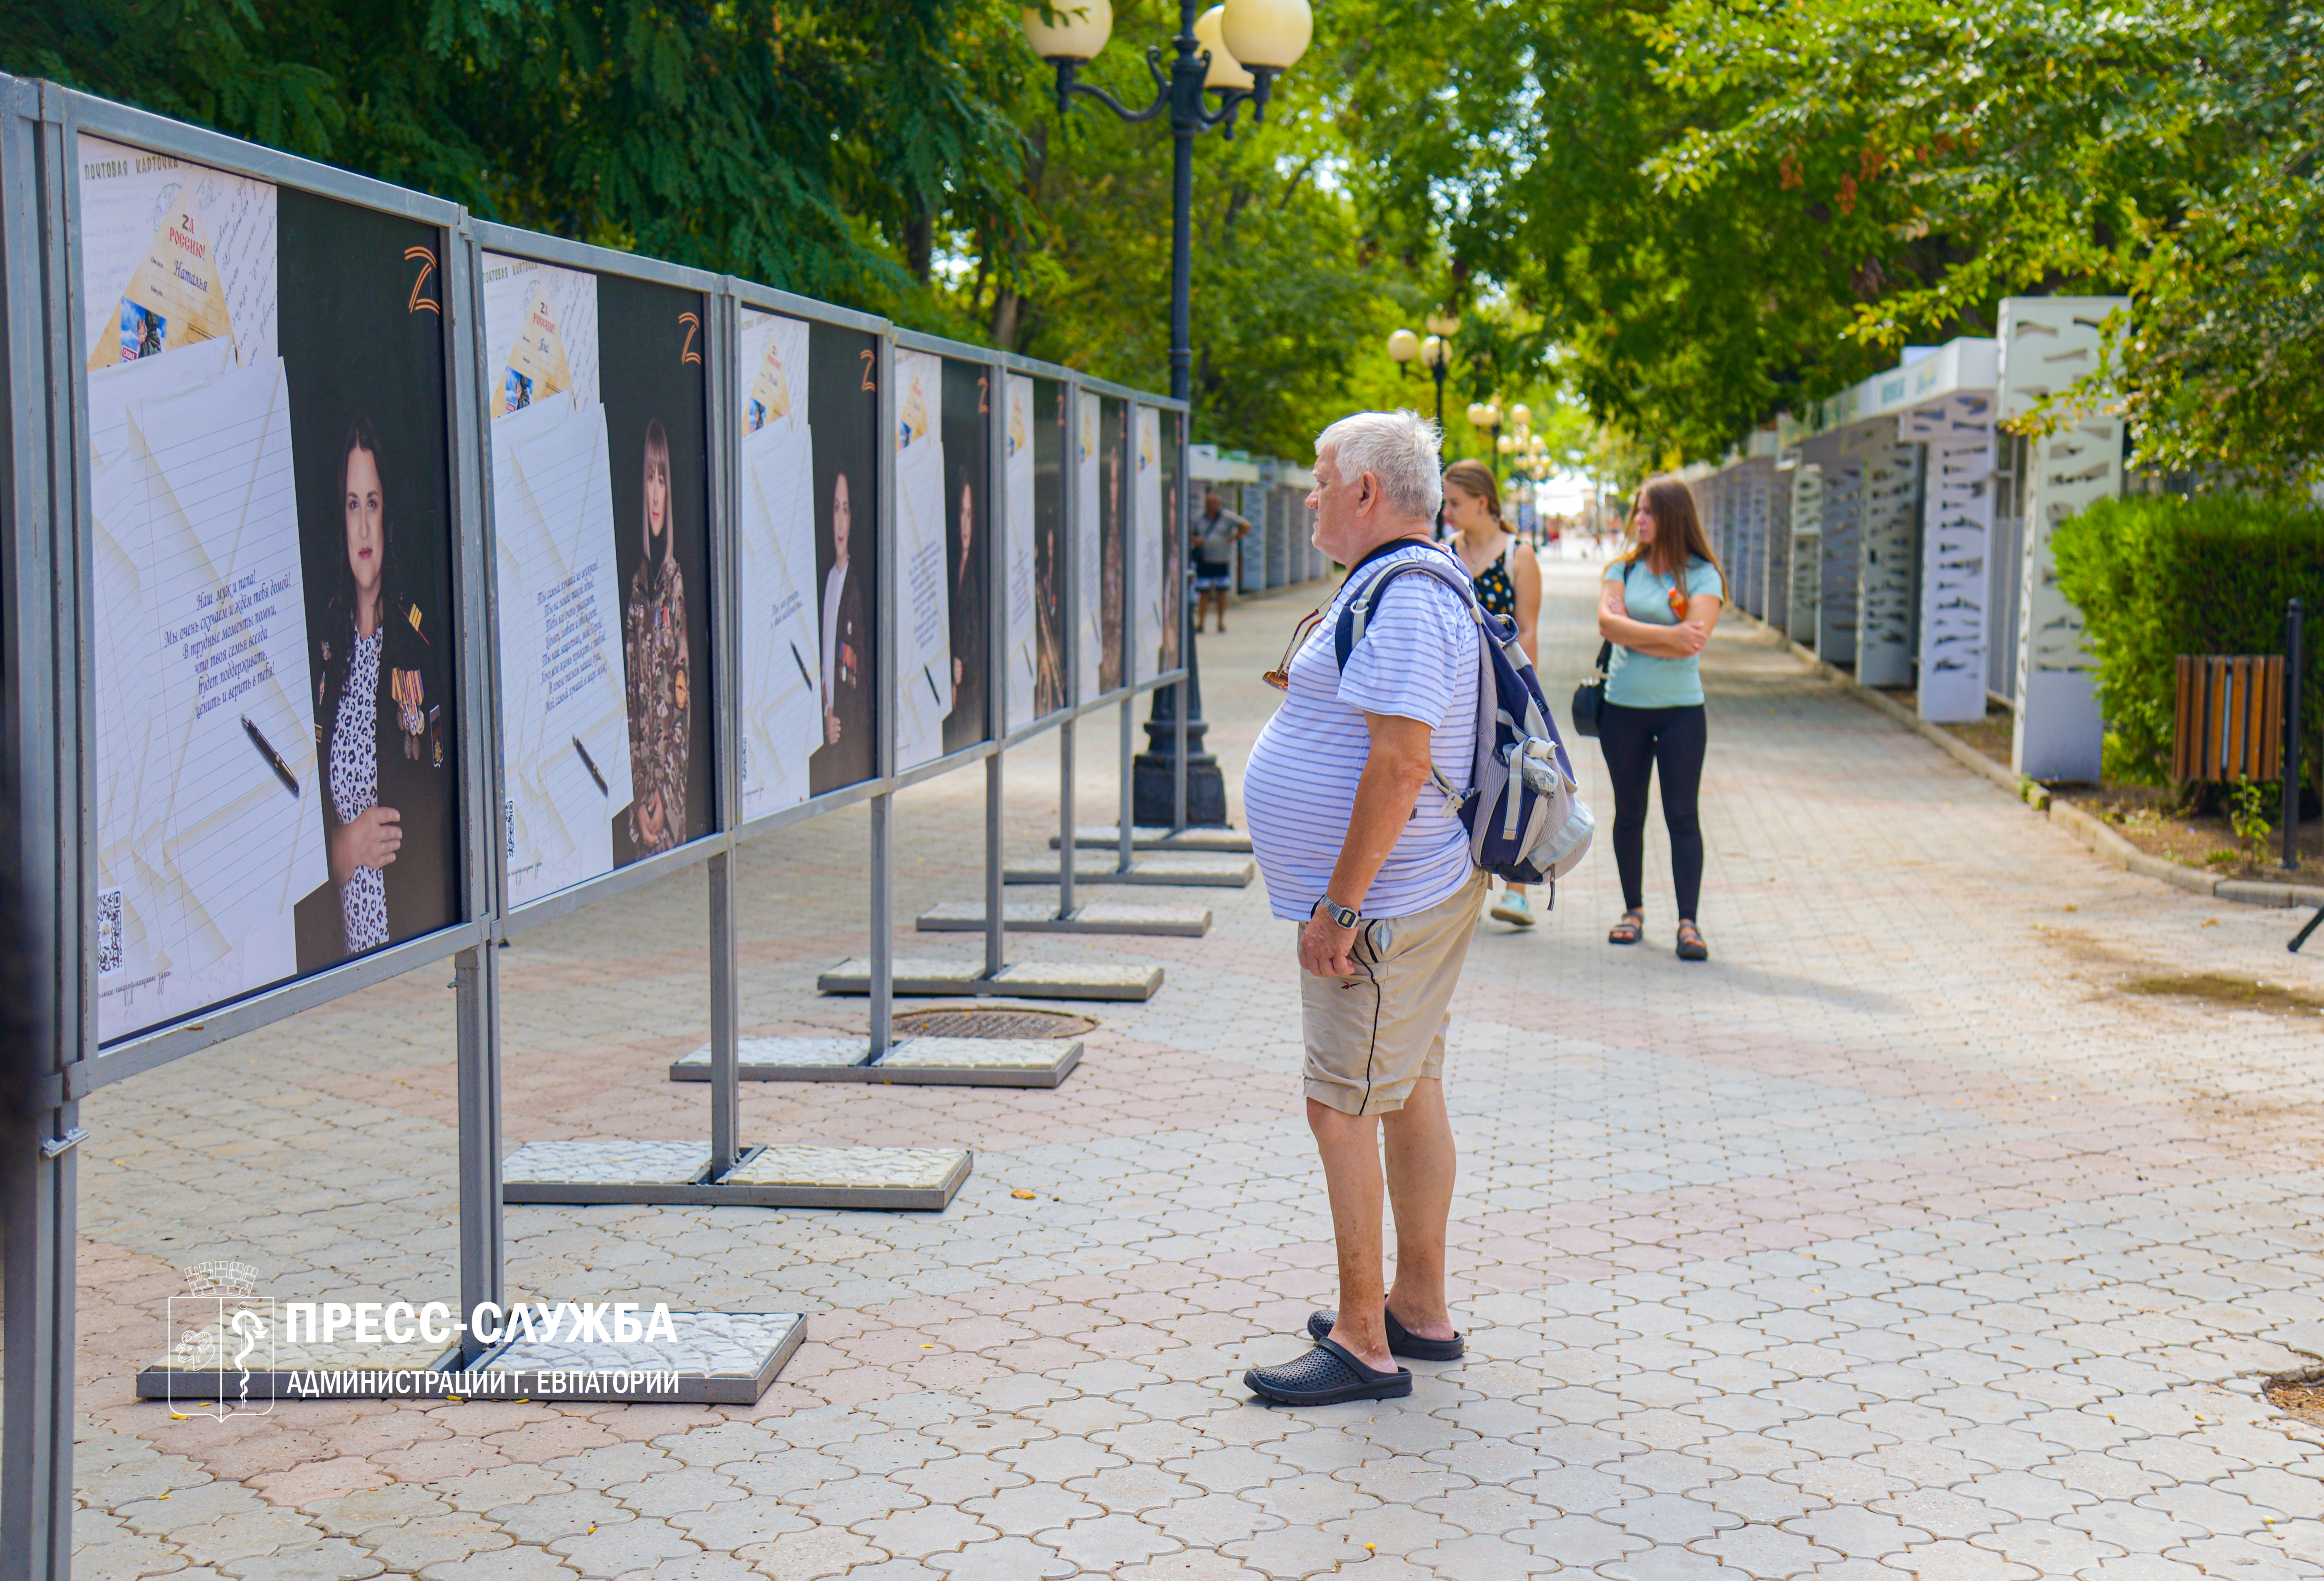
990, 1021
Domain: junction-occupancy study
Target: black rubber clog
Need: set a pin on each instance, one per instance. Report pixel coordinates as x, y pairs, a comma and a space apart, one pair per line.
1328, 1374
1401, 1341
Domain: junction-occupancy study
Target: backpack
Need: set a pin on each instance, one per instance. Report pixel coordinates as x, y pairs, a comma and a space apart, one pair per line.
1523, 809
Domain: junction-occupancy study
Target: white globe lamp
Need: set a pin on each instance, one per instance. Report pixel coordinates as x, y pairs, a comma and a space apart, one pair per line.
1267, 34
1077, 29
1226, 70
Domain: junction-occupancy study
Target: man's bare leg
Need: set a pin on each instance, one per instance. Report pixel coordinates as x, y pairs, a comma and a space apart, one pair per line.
1420, 1172
1350, 1146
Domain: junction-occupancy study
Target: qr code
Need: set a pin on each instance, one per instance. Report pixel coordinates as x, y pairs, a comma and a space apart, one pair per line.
508, 825
108, 929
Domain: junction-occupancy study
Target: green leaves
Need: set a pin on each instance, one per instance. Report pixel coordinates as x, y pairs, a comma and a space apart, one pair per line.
1722, 207
740, 139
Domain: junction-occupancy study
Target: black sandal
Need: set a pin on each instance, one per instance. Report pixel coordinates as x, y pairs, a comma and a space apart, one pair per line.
1690, 946
1401, 1341
1326, 1376
1629, 930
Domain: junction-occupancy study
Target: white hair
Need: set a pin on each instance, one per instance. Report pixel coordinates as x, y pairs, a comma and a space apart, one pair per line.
1402, 449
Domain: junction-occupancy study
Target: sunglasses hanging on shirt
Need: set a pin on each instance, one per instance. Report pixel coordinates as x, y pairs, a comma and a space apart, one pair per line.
1279, 677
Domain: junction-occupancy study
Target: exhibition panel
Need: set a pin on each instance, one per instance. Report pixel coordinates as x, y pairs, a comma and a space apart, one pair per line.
395, 582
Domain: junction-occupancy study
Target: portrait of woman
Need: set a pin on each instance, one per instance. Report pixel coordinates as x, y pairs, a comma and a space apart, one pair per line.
656, 654
1049, 678
1174, 567
379, 716
1111, 553
1049, 630
846, 639
965, 725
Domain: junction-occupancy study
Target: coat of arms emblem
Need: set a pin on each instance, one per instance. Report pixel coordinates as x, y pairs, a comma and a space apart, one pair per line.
221, 1358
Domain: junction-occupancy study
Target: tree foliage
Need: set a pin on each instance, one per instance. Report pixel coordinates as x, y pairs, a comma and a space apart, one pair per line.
773, 141
2165, 150
1292, 297
904, 156
1723, 207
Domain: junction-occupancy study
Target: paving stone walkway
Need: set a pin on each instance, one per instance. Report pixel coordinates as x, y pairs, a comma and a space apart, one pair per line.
1902, 1240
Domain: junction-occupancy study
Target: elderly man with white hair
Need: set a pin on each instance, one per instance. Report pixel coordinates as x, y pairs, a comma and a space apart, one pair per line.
1364, 853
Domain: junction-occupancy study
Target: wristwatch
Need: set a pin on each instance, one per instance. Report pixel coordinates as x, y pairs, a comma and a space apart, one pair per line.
1344, 916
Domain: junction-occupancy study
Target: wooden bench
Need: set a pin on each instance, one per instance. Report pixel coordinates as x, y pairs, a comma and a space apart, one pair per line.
2228, 723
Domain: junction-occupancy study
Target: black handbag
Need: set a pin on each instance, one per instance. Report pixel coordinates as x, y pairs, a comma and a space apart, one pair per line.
1590, 696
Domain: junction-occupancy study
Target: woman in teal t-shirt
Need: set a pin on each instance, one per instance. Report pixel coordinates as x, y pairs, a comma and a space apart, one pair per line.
1658, 605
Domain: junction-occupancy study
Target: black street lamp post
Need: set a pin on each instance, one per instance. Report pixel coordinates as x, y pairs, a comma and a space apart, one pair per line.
1435, 353
1236, 50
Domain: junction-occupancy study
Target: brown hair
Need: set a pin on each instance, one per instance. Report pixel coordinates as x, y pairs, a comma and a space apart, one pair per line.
1476, 478
1679, 537
658, 456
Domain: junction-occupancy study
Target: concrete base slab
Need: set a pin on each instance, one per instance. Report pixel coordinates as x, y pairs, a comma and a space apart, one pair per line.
790, 1176
1023, 979
914, 1061
979, 1061
1094, 916
1201, 870
1108, 836
771, 1054
716, 1358
659, 1172
607, 1171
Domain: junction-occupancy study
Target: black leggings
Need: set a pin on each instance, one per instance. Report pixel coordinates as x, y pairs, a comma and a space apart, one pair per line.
1635, 741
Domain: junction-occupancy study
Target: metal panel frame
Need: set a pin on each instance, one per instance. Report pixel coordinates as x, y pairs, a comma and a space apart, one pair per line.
47, 709
38, 742
717, 355
76, 113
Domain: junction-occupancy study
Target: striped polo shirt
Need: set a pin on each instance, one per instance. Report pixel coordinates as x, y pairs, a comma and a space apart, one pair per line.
1418, 660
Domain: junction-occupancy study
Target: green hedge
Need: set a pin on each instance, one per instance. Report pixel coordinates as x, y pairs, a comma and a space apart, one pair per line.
2155, 577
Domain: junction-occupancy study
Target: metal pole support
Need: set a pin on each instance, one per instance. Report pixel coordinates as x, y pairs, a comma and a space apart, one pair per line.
726, 1017
1065, 820
995, 919
475, 980
1127, 832
1178, 756
36, 1512
883, 923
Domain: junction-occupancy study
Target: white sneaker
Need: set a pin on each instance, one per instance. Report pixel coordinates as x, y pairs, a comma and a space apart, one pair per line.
1512, 907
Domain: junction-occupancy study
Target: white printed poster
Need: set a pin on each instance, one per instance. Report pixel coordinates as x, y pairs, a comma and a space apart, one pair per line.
1088, 550
564, 736
208, 832
782, 653
923, 642
1146, 529
1019, 557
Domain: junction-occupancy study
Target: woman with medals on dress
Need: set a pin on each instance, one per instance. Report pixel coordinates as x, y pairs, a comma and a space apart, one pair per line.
656, 656
380, 728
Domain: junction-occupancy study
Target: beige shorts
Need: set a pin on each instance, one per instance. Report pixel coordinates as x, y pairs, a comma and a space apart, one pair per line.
1370, 1036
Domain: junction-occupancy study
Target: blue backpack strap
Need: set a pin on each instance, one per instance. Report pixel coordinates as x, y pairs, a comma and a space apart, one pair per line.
1357, 614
